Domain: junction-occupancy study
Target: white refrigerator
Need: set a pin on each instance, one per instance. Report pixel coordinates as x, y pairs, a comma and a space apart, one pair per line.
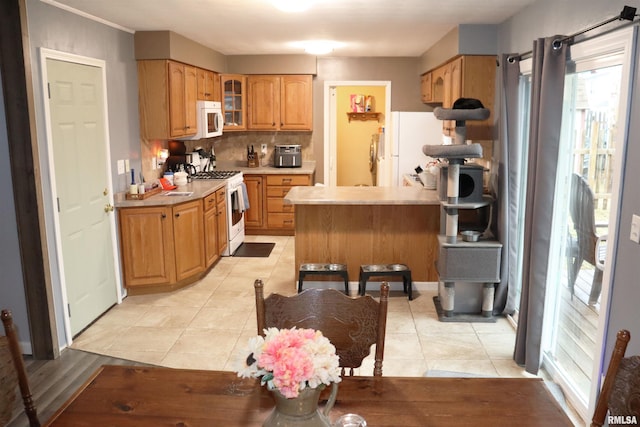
409, 132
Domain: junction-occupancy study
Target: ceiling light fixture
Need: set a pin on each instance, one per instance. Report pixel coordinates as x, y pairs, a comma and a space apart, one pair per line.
319, 47
292, 6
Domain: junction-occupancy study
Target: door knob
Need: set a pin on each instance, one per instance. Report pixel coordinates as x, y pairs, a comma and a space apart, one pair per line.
108, 208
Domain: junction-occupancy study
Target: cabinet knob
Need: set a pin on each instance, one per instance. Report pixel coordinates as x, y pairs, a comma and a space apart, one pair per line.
163, 215
177, 215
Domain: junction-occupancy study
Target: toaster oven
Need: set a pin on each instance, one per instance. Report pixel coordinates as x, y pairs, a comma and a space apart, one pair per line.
287, 156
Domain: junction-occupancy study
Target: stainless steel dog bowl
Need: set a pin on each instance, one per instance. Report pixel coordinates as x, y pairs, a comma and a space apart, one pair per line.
470, 235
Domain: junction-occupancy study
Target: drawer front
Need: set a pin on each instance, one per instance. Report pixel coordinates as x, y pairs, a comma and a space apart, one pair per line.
280, 220
277, 191
289, 180
221, 195
209, 202
278, 205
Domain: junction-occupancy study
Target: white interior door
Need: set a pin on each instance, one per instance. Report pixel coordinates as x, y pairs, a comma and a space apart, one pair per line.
81, 186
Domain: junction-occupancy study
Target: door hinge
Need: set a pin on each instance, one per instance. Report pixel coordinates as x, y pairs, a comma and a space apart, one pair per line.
69, 309
58, 201
49, 90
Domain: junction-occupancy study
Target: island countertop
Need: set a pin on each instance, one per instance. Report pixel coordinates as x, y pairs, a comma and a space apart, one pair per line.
361, 196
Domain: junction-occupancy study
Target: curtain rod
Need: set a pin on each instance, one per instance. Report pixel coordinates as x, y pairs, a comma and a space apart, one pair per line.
628, 14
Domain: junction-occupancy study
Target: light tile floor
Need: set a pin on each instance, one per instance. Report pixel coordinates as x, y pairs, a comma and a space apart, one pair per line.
207, 324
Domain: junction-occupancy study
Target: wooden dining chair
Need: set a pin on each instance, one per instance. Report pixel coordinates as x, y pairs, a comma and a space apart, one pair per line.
351, 324
13, 374
620, 393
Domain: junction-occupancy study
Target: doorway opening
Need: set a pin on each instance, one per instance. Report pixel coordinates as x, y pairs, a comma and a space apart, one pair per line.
348, 144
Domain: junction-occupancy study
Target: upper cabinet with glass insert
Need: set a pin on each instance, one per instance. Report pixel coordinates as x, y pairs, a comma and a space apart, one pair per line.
234, 101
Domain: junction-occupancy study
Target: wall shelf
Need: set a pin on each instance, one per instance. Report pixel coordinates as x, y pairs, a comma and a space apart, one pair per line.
364, 116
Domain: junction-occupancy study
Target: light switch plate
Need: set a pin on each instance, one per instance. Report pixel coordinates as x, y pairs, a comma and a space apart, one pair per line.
127, 168
635, 229
120, 164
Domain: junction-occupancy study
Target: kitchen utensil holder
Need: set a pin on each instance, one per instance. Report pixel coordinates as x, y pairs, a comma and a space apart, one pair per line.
253, 163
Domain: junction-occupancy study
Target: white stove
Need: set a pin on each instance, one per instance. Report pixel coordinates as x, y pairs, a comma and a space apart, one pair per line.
235, 198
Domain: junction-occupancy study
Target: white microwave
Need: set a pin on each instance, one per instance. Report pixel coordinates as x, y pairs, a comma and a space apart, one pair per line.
209, 117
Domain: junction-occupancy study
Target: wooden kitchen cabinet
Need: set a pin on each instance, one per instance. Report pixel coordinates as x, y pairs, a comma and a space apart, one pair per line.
234, 103
272, 215
426, 89
280, 102
208, 85
296, 102
161, 245
263, 104
147, 246
467, 76
279, 215
253, 217
188, 235
167, 92
211, 253
215, 226
221, 210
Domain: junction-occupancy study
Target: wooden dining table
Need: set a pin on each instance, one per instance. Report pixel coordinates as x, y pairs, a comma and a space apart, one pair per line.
128, 396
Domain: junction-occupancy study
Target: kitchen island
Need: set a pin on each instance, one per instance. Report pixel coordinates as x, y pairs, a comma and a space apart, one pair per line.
367, 225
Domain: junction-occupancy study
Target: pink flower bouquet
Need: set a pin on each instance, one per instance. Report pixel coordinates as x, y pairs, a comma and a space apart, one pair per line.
290, 360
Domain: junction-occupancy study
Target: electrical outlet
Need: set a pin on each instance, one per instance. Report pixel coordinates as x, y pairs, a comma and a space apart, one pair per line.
127, 167
154, 163
635, 229
263, 148
120, 164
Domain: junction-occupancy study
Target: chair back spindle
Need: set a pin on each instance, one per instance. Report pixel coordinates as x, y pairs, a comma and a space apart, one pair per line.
352, 325
10, 343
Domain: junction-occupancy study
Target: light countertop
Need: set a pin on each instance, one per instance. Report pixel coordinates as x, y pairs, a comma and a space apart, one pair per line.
308, 167
200, 189
361, 196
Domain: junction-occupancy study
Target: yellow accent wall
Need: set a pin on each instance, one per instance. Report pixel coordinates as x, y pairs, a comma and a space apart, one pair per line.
354, 138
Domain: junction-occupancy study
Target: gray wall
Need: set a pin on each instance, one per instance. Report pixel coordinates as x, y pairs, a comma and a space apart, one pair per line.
56, 29
12, 294
550, 17
402, 72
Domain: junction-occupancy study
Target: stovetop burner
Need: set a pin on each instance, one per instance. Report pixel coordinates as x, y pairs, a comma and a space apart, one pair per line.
214, 174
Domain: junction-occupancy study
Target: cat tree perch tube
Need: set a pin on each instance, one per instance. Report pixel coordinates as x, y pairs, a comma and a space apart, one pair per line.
455, 154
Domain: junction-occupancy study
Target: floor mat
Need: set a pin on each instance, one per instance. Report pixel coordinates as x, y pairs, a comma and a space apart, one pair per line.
255, 250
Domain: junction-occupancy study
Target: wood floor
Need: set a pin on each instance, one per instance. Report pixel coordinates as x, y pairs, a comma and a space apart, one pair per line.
52, 382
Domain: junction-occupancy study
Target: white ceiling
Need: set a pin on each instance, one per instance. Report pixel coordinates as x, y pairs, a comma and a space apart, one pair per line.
246, 27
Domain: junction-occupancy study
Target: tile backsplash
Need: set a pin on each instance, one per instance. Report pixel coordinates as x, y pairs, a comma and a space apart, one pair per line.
233, 145
230, 146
